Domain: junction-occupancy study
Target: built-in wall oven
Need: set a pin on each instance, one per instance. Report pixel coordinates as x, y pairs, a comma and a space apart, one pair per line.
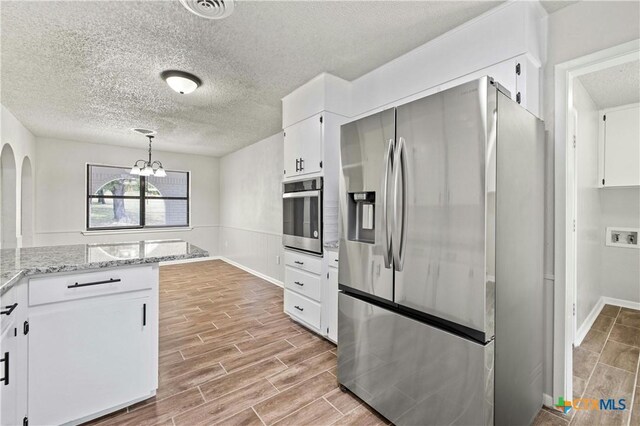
302, 215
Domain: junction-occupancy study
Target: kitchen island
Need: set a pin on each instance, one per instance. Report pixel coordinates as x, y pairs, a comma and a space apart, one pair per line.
79, 328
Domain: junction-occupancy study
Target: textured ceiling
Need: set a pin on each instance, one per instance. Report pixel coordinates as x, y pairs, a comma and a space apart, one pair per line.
90, 70
615, 86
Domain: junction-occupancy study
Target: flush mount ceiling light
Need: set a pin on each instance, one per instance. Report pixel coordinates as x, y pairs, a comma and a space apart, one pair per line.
180, 81
144, 132
209, 9
148, 168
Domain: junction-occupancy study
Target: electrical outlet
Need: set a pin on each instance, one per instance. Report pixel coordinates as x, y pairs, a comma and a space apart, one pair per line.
277, 260
226, 244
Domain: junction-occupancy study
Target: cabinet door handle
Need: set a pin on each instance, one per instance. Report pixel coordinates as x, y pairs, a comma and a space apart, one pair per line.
110, 280
297, 168
8, 309
297, 262
5, 359
299, 283
144, 314
301, 164
299, 308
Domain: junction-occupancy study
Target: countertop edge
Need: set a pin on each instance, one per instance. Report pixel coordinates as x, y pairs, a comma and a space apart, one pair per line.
8, 284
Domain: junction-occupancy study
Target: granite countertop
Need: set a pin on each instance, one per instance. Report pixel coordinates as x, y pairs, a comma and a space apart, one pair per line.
18, 263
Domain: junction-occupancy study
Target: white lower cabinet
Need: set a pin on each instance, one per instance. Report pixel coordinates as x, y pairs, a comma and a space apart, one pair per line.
88, 356
8, 384
12, 374
330, 304
78, 345
311, 291
303, 288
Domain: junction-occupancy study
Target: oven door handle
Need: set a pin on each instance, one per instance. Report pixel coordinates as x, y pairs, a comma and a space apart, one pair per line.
301, 194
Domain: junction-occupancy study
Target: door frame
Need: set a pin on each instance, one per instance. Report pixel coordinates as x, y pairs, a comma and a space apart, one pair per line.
565, 196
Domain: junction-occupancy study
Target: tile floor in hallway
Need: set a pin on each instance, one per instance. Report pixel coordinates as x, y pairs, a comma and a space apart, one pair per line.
605, 365
229, 355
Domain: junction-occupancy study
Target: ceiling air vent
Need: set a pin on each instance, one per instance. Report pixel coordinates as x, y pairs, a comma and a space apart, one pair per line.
210, 9
144, 132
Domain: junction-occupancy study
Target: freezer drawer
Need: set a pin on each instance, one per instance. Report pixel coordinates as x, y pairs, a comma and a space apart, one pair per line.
411, 372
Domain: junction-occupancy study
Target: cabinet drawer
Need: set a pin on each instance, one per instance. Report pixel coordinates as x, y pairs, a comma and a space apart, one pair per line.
302, 282
303, 261
332, 258
302, 308
65, 287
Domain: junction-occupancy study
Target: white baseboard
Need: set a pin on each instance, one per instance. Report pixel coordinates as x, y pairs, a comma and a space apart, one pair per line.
582, 331
588, 322
253, 272
622, 303
547, 400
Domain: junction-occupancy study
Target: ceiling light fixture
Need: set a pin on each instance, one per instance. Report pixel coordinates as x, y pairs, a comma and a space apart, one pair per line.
180, 81
209, 9
148, 168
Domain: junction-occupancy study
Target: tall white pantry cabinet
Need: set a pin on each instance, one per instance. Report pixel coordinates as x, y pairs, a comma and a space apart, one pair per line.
312, 116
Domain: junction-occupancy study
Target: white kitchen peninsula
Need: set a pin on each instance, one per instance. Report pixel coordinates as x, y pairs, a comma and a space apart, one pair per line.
79, 328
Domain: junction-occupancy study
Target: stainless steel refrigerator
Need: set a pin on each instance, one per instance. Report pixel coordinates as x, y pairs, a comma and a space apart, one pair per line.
441, 259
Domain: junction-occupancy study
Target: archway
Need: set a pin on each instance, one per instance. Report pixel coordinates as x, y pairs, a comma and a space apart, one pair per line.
27, 203
8, 197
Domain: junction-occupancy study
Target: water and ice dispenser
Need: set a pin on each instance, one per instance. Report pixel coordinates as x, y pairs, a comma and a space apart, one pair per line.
361, 210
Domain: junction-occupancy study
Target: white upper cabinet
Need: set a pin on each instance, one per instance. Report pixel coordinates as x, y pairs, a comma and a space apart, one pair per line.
303, 147
620, 146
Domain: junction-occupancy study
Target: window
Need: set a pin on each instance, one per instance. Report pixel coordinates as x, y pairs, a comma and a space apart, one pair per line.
119, 200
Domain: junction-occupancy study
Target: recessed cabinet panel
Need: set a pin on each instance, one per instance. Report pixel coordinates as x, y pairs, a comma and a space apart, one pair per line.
9, 378
621, 143
303, 147
88, 356
302, 309
302, 282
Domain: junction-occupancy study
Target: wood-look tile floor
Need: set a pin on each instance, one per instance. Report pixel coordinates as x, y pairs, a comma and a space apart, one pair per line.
229, 355
605, 365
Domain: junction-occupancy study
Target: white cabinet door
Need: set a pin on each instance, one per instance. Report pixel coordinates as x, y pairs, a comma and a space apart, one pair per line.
8, 382
291, 155
622, 147
303, 147
87, 356
312, 145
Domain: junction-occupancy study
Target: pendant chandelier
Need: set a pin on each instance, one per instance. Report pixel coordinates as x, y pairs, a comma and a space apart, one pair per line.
148, 168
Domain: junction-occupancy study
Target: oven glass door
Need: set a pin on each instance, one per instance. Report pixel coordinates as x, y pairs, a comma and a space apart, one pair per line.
301, 220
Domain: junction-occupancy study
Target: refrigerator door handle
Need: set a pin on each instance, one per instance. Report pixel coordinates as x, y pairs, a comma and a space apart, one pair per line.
400, 213
388, 167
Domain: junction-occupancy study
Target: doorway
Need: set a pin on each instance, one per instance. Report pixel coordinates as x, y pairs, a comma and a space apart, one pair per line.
8, 198
597, 219
26, 203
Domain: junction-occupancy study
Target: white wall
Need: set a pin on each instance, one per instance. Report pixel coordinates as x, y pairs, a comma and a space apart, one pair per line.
23, 145
589, 237
61, 192
620, 266
251, 206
